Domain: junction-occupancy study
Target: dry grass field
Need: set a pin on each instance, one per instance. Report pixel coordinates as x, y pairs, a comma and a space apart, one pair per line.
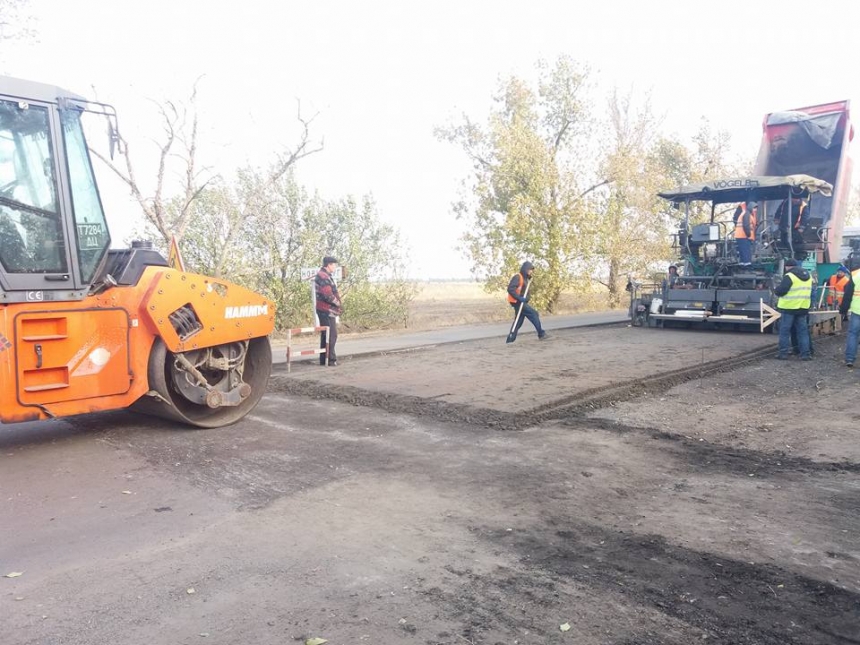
445, 304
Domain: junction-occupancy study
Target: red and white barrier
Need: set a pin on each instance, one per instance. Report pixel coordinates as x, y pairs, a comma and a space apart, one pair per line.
305, 352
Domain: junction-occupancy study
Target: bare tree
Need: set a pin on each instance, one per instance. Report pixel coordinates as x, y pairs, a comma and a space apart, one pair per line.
15, 20
168, 211
258, 193
179, 141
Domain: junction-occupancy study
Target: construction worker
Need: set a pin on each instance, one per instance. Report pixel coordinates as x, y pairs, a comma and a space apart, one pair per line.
745, 219
836, 286
792, 231
671, 279
795, 299
518, 299
851, 305
795, 346
328, 308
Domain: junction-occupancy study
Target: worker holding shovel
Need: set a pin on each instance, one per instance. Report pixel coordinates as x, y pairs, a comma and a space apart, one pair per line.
518, 297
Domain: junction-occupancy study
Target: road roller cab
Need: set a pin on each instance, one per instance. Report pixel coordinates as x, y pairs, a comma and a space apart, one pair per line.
85, 328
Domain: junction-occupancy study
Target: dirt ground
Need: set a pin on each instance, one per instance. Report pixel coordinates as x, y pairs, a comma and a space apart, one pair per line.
491, 378
485, 506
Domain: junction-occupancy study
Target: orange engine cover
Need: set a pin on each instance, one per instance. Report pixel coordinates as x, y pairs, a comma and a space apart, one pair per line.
64, 358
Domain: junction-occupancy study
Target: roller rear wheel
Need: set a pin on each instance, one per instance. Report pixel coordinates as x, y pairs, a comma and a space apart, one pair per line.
210, 387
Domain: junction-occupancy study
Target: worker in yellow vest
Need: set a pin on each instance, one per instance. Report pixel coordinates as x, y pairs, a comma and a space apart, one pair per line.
851, 305
795, 299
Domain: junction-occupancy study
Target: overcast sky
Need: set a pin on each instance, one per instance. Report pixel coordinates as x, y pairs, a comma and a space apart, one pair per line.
383, 74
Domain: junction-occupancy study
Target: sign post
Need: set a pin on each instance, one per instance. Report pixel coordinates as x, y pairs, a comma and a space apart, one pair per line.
768, 315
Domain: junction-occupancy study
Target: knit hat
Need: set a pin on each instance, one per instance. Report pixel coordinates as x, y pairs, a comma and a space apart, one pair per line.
791, 262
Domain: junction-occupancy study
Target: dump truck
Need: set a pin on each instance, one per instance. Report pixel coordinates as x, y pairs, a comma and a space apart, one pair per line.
814, 141
799, 195
85, 327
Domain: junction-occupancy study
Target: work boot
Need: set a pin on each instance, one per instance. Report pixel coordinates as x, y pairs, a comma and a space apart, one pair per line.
542, 336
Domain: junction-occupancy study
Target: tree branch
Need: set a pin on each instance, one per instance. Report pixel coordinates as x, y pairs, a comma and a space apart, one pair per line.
605, 182
129, 179
559, 137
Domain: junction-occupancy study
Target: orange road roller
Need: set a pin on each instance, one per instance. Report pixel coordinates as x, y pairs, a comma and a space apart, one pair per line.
86, 328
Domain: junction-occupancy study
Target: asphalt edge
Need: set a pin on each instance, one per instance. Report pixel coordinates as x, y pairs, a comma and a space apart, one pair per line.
282, 367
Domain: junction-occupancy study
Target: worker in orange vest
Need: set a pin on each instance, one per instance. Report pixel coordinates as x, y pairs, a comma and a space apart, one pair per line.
745, 219
518, 299
836, 286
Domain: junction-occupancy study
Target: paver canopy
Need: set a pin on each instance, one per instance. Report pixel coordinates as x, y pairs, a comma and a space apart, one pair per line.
739, 189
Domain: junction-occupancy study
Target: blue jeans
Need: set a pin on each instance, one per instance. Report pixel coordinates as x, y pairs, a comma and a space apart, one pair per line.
851, 342
795, 347
744, 251
531, 314
795, 320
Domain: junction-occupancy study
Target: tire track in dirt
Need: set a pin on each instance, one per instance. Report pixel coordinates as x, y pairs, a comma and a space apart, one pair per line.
402, 404
706, 455
571, 411
729, 600
587, 400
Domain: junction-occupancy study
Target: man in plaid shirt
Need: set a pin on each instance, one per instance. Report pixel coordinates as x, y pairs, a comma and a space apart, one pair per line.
328, 307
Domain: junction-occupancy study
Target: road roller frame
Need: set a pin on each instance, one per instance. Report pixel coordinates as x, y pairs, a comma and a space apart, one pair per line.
86, 328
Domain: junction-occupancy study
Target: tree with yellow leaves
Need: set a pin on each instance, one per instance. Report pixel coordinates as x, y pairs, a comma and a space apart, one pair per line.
525, 198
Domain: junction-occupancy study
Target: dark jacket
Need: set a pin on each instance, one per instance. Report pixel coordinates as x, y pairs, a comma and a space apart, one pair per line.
785, 286
847, 297
745, 221
513, 285
328, 299
670, 281
798, 211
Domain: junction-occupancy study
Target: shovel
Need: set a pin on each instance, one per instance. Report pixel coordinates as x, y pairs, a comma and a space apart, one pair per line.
512, 335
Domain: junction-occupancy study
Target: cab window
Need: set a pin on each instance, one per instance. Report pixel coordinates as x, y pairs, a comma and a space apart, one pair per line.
31, 232
92, 237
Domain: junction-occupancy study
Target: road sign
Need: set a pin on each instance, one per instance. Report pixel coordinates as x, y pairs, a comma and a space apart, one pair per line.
768, 315
309, 272
174, 256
